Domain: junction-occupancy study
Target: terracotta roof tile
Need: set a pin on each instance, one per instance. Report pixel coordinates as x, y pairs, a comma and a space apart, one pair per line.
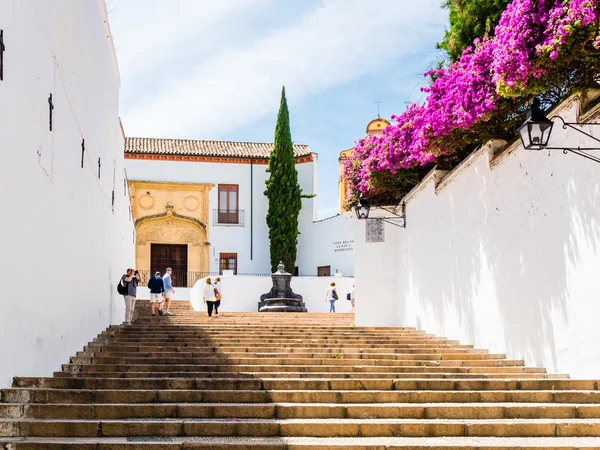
187, 147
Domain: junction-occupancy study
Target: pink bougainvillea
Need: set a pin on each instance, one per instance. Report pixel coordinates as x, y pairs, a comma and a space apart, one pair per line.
529, 35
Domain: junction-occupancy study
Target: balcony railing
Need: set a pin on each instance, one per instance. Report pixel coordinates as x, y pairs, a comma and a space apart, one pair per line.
228, 218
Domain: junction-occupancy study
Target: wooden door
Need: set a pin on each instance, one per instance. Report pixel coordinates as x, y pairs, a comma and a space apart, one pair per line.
173, 256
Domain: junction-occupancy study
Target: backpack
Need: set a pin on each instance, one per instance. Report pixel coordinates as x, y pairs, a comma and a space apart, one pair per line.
122, 289
348, 296
334, 294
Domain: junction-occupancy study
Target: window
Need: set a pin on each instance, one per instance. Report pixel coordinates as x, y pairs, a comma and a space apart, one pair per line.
228, 212
228, 261
324, 271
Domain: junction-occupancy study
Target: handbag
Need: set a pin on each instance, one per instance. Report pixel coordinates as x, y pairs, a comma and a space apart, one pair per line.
348, 296
217, 294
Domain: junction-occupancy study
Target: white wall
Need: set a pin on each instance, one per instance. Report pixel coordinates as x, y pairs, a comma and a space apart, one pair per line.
229, 239
327, 242
502, 254
242, 294
63, 246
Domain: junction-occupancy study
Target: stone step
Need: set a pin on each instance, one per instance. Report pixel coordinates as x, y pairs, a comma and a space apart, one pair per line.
302, 411
336, 366
119, 351
293, 358
300, 443
68, 396
301, 427
313, 362
303, 384
328, 375
216, 347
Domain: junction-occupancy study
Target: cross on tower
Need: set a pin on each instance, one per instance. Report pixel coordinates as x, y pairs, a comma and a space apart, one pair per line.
2, 49
378, 102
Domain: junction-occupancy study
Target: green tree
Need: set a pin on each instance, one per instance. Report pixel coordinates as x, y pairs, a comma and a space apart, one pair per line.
469, 19
284, 193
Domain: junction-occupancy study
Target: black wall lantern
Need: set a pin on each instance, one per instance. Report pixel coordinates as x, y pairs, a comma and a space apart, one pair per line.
363, 208
536, 131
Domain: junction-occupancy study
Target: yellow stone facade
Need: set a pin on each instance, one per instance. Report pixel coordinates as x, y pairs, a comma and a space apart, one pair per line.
375, 126
171, 213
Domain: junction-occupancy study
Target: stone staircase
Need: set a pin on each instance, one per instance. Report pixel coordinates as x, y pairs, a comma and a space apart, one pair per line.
292, 381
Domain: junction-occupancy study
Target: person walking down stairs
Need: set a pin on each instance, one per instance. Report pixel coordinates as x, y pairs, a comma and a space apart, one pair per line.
331, 296
209, 297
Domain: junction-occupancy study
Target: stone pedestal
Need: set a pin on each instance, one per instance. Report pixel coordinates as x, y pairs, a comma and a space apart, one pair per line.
281, 298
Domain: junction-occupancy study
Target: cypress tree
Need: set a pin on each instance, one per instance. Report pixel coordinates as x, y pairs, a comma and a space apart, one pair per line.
284, 194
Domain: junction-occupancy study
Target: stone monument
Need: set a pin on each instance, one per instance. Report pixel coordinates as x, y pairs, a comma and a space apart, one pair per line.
281, 298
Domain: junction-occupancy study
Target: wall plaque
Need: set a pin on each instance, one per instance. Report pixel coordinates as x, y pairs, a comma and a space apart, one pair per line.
374, 231
343, 246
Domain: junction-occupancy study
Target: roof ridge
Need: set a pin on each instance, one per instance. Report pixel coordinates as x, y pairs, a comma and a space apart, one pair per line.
200, 147
206, 140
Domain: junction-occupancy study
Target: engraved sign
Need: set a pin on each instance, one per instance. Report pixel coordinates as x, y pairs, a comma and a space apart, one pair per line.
343, 246
374, 231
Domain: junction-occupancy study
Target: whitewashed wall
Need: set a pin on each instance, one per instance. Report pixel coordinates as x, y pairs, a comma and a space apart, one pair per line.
241, 294
63, 246
327, 242
230, 239
502, 254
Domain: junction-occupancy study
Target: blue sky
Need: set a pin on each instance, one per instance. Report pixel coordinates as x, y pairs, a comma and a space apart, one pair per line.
203, 69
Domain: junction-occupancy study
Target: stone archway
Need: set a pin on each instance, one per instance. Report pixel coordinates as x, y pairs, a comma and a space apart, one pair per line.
173, 229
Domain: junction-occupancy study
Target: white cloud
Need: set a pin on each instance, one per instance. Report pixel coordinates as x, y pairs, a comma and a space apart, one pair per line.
339, 41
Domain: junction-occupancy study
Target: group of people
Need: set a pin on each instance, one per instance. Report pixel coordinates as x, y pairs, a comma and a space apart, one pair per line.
331, 296
161, 292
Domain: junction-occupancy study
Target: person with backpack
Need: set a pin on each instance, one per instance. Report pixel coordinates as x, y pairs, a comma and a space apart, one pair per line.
127, 287
331, 296
157, 290
209, 296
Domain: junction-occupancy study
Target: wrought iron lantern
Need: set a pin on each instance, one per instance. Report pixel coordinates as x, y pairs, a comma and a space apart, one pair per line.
536, 131
362, 208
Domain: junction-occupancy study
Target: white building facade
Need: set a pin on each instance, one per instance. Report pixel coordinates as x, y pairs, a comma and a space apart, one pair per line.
66, 234
234, 173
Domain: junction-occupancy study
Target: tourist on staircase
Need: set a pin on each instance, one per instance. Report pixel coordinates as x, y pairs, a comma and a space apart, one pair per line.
157, 290
331, 296
218, 295
352, 298
130, 282
169, 292
209, 296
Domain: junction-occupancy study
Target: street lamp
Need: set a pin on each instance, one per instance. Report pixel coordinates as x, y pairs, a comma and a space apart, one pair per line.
535, 133
363, 208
